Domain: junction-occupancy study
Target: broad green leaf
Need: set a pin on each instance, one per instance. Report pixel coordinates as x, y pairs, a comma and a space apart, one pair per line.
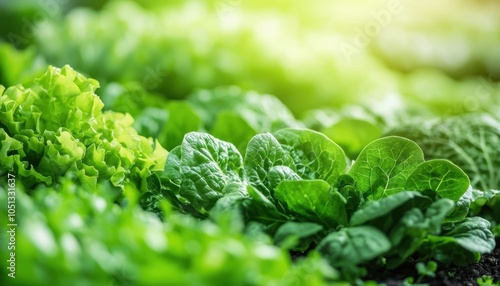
384, 165
408, 231
262, 209
232, 127
277, 174
436, 214
462, 243
440, 176
469, 140
393, 206
354, 245
462, 206
293, 235
181, 119
208, 165
313, 200
263, 153
473, 234
352, 134
315, 156
156, 192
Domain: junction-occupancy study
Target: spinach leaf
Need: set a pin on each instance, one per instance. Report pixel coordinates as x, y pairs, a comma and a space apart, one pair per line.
207, 166
263, 153
313, 200
315, 156
232, 127
296, 235
461, 242
440, 176
384, 165
181, 120
354, 245
473, 234
386, 211
277, 174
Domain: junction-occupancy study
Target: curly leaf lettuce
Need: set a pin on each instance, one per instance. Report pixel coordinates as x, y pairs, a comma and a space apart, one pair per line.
56, 127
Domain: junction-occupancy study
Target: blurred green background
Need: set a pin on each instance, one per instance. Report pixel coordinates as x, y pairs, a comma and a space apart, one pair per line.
439, 58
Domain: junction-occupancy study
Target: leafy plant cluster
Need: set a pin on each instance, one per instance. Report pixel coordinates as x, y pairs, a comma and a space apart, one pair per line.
471, 142
79, 173
297, 186
55, 127
88, 182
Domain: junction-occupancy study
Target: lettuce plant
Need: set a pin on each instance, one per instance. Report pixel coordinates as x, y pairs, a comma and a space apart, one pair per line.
298, 186
55, 127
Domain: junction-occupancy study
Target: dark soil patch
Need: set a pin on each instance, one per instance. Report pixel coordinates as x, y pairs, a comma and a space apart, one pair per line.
489, 265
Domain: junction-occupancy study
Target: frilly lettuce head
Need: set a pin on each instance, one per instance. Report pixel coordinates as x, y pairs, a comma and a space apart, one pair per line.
55, 127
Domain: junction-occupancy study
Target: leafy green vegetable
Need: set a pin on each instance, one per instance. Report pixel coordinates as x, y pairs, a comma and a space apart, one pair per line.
207, 166
352, 246
56, 128
469, 141
440, 176
315, 156
383, 166
294, 186
263, 153
462, 242
290, 234
313, 200
82, 161
394, 205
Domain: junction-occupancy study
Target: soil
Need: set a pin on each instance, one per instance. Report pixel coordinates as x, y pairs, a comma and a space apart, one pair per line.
489, 265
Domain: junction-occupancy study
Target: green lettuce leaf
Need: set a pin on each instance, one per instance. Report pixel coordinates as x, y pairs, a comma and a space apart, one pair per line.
384, 165
207, 166
440, 176
313, 200
263, 153
315, 156
56, 128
